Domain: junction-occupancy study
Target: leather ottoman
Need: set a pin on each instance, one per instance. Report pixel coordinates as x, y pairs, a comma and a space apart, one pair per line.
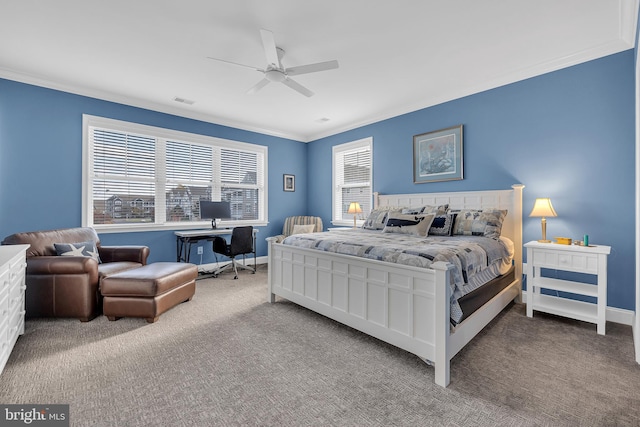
148, 291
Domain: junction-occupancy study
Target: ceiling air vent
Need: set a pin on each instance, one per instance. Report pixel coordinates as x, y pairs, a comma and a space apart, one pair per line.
183, 100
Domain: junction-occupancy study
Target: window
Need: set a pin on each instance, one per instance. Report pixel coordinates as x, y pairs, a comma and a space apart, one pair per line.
352, 175
143, 177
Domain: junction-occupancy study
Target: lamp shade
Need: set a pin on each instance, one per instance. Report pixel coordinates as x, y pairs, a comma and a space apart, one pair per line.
354, 208
543, 208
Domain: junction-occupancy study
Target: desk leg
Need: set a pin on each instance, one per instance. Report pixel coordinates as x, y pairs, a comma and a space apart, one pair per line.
183, 249
188, 251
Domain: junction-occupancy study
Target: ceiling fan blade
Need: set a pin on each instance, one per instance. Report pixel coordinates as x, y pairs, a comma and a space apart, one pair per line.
312, 68
270, 49
297, 87
262, 83
235, 63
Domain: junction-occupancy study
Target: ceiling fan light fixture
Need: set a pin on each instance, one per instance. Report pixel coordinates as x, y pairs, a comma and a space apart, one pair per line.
275, 76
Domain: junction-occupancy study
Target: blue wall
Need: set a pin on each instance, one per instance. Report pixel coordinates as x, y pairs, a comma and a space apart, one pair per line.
568, 135
41, 164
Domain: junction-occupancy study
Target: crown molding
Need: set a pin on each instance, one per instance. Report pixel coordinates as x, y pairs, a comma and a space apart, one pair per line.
513, 76
628, 14
141, 103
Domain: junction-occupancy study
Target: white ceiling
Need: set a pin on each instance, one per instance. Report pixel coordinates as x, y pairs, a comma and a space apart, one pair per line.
395, 56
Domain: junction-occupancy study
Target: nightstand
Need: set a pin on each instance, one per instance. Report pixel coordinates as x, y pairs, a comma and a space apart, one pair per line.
579, 259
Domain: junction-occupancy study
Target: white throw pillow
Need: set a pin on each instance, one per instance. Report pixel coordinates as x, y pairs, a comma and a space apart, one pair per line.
301, 229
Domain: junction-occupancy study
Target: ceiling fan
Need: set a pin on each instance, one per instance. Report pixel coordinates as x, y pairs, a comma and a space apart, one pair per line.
276, 72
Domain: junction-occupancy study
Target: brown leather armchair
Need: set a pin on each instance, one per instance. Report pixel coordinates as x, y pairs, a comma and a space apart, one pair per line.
69, 286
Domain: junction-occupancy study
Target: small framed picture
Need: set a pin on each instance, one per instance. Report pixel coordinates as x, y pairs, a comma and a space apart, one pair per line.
289, 182
437, 156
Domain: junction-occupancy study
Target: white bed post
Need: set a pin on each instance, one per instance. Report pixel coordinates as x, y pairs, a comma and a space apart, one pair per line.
443, 317
271, 297
517, 234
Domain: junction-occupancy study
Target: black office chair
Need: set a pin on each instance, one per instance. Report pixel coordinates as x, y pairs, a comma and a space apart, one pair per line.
241, 244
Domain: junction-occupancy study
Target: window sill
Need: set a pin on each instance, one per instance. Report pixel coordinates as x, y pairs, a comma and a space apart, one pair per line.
347, 223
106, 229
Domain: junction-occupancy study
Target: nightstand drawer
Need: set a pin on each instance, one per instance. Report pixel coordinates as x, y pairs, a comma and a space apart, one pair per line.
577, 262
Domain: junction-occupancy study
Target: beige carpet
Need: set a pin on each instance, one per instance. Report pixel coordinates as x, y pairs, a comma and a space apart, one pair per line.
230, 358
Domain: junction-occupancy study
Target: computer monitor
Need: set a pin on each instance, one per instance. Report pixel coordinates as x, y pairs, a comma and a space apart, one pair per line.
214, 211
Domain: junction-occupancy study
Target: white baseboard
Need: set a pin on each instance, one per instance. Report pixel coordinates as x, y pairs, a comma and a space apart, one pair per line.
614, 314
636, 339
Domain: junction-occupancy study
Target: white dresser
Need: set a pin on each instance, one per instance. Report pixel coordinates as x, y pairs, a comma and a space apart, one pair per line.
12, 286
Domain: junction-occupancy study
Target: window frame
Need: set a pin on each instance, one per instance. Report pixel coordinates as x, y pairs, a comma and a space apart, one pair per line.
341, 149
162, 135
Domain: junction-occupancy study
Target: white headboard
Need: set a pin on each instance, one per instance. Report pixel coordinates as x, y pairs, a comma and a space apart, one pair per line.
511, 200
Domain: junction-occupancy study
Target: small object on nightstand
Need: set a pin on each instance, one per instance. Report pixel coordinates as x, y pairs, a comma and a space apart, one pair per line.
586, 240
563, 240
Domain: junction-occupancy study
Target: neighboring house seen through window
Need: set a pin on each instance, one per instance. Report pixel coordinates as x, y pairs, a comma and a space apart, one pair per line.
352, 176
143, 177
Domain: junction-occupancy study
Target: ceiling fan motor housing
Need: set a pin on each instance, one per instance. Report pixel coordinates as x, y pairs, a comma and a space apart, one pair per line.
275, 75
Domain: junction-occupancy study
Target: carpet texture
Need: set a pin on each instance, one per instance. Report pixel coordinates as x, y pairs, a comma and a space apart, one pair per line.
230, 358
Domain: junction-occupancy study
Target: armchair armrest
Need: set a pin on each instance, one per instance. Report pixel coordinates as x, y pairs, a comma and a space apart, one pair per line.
50, 265
124, 253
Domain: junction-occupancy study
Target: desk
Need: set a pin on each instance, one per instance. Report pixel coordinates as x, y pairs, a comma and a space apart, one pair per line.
186, 238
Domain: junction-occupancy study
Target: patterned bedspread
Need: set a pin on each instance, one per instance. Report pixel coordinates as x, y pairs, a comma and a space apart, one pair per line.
470, 256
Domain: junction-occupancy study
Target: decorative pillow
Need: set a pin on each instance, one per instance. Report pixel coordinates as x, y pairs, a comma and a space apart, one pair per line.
483, 222
427, 209
378, 217
412, 211
78, 249
408, 224
442, 225
436, 210
301, 229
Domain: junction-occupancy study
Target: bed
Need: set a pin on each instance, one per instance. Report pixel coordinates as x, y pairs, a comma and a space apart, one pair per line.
408, 306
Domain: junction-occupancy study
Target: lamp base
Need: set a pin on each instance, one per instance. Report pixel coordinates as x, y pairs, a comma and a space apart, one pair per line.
544, 241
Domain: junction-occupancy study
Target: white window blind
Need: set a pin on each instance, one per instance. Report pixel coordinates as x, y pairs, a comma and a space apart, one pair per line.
241, 182
124, 177
189, 174
352, 174
140, 176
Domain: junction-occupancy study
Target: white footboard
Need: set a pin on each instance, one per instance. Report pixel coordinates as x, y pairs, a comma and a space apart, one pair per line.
404, 306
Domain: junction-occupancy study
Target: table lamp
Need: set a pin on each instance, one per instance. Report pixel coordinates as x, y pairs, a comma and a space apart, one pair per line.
543, 208
354, 208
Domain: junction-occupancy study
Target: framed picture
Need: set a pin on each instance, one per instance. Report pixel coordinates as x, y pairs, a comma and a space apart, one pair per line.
289, 182
437, 156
